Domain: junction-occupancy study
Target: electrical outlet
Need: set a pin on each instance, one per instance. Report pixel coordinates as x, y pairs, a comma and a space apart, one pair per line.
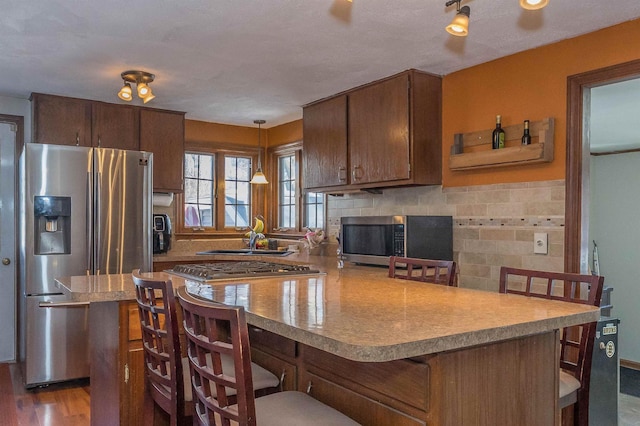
540, 243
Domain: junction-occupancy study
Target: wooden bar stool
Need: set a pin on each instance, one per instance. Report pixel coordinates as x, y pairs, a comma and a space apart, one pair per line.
167, 379
576, 343
429, 271
204, 323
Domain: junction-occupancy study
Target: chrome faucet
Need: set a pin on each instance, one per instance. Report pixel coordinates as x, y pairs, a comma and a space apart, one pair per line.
253, 239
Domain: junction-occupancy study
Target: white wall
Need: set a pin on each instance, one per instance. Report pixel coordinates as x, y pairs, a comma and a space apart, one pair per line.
615, 203
15, 106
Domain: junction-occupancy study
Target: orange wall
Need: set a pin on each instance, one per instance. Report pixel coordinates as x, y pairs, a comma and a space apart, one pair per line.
285, 133
528, 85
203, 131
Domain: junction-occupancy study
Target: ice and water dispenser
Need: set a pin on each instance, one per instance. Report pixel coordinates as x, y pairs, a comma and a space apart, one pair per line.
52, 225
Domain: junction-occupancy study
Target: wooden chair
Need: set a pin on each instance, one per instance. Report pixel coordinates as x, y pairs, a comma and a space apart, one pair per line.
167, 380
164, 378
204, 324
576, 343
430, 271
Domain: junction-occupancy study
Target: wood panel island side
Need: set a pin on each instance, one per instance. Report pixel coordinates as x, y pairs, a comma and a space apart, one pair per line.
381, 350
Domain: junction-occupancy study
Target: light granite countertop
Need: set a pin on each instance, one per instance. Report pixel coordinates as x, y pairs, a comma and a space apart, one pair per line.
359, 313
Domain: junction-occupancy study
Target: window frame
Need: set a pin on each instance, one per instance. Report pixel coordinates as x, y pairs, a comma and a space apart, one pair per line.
274, 154
219, 151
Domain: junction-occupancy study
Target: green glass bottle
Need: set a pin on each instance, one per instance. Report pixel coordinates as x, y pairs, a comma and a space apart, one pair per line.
526, 137
498, 134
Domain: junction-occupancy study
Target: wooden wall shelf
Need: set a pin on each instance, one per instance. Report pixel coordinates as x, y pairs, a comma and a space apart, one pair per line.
540, 151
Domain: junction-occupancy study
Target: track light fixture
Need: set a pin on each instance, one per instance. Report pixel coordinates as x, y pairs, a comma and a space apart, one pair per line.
459, 26
259, 177
141, 80
533, 4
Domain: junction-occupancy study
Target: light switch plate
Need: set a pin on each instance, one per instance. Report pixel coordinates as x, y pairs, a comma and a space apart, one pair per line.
540, 243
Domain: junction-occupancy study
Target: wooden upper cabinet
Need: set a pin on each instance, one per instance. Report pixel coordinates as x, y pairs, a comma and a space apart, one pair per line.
325, 143
115, 126
393, 135
379, 131
162, 133
70, 121
61, 120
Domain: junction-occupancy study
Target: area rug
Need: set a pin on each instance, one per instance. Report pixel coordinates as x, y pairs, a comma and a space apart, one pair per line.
630, 381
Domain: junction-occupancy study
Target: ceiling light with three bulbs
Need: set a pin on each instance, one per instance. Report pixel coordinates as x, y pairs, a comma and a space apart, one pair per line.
141, 79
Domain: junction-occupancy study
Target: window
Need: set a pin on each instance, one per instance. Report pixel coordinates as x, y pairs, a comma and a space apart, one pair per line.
287, 191
237, 191
198, 189
295, 209
217, 194
313, 210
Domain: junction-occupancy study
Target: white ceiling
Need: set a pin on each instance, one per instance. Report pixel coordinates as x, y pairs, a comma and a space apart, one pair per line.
233, 61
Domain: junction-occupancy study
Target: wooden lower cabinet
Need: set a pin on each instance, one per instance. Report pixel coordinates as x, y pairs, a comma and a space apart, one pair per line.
117, 364
503, 383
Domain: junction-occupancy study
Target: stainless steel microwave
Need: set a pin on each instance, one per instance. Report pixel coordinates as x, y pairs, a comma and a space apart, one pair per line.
373, 239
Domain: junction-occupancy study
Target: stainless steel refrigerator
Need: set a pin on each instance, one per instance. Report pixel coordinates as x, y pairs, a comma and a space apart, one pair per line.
83, 211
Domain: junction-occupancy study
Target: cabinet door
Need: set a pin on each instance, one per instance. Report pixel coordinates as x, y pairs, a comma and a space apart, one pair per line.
60, 120
325, 143
115, 126
379, 131
162, 133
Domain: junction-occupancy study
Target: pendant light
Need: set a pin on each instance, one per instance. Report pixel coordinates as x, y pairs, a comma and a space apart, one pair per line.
259, 178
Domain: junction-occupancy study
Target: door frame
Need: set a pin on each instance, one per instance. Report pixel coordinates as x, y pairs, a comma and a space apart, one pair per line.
578, 90
18, 122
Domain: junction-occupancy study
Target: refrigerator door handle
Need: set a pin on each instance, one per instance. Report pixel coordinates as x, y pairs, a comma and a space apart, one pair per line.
98, 226
63, 304
89, 223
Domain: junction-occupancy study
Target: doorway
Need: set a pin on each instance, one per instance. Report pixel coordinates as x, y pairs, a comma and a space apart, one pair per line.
11, 128
578, 190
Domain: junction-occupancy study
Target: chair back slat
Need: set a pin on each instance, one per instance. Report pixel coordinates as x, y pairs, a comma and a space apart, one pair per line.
160, 341
205, 325
424, 270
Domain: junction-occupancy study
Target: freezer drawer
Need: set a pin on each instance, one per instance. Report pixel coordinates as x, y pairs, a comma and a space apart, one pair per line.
56, 340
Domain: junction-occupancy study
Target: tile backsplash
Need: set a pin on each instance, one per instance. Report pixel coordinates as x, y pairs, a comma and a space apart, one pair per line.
494, 225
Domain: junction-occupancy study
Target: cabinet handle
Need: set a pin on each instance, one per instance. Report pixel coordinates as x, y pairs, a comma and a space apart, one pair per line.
99, 142
354, 173
309, 386
77, 139
342, 174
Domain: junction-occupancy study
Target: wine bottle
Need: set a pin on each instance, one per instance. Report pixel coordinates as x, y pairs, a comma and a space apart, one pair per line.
498, 135
526, 137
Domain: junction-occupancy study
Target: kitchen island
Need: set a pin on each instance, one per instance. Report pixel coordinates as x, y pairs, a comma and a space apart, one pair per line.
383, 351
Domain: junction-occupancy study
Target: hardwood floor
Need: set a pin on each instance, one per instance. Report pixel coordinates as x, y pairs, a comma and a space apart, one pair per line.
65, 404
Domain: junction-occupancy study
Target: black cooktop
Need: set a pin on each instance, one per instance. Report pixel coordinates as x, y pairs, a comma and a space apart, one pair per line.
226, 270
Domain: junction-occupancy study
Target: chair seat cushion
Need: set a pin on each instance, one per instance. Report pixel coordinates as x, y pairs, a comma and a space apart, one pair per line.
297, 409
262, 378
568, 384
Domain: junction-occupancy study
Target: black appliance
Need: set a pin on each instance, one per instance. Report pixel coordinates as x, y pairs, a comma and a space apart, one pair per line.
161, 233
372, 239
